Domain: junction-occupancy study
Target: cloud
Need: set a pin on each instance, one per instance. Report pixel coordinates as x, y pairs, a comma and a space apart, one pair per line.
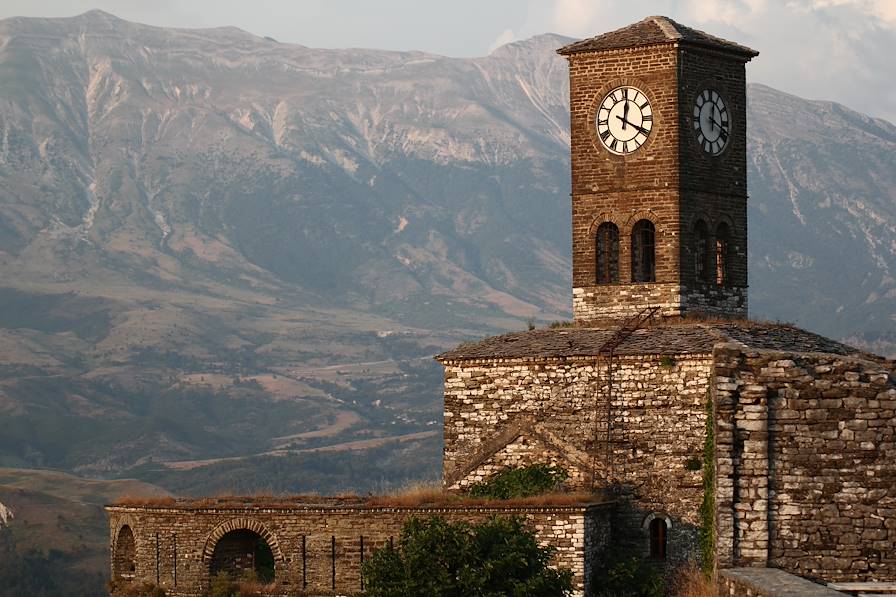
507, 36
819, 49
882, 9
823, 49
574, 17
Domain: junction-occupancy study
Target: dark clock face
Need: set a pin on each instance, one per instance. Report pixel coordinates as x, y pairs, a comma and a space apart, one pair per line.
712, 123
624, 120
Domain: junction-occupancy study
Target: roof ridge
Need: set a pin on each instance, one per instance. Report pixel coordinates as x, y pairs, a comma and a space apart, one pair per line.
655, 30
667, 25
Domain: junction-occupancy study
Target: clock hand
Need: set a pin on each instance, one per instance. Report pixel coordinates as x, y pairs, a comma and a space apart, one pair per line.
639, 128
624, 114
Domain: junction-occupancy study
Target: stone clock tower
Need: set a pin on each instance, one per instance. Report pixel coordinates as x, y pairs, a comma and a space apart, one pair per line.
659, 180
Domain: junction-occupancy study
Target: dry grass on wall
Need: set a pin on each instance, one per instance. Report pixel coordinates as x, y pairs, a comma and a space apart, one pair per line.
692, 582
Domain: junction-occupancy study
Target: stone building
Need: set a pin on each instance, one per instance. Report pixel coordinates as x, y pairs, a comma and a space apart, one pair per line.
660, 396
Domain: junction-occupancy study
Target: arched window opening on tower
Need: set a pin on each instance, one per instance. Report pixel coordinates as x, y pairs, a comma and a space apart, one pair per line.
124, 560
701, 251
643, 257
722, 261
607, 253
658, 532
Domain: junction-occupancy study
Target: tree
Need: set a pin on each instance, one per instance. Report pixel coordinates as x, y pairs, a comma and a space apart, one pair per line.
434, 557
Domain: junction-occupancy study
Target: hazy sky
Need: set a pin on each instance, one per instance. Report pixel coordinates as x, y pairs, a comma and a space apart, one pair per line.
841, 50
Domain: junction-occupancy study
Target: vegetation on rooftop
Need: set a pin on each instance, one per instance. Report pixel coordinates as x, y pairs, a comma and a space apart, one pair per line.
522, 482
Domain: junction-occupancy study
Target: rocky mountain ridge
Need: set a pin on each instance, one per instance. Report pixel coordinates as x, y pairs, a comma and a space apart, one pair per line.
211, 241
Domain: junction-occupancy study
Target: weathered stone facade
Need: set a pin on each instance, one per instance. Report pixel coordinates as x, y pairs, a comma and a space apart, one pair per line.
769, 582
804, 427
516, 413
605, 303
318, 549
669, 181
806, 463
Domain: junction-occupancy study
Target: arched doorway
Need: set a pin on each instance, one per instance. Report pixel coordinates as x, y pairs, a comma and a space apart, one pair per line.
124, 561
241, 553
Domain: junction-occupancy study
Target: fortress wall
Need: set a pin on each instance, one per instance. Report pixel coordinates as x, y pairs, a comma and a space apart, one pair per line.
806, 463
501, 414
174, 545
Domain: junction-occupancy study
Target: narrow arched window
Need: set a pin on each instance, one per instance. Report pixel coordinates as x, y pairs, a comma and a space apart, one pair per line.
643, 257
658, 532
124, 558
723, 275
607, 253
701, 251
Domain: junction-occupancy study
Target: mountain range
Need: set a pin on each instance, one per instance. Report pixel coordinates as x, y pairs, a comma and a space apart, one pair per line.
218, 249
226, 262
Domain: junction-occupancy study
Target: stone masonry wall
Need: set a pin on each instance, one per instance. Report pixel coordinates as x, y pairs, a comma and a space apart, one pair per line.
768, 582
806, 463
605, 302
318, 551
514, 413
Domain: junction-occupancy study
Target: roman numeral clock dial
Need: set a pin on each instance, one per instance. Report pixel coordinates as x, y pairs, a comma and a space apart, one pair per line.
624, 119
712, 124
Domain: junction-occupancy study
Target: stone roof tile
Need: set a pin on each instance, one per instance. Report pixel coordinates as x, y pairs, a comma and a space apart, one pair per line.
651, 31
664, 339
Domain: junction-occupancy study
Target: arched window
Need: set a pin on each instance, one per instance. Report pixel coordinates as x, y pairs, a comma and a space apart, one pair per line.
240, 552
658, 532
701, 251
643, 260
722, 259
607, 253
124, 561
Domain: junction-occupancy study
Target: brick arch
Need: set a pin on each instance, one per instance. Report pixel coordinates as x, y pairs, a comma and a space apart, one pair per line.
654, 515
710, 223
125, 521
124, 563
240, 524
722, 218
601, 219
644, 214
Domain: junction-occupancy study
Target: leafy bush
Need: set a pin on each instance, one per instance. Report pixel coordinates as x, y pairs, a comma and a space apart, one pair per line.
521, 482
631, 576
443, 559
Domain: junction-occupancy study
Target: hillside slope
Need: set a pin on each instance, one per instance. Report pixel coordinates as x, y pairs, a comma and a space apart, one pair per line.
216, 246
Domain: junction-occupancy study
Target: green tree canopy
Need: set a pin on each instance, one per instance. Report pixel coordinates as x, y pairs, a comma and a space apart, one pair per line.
497, 558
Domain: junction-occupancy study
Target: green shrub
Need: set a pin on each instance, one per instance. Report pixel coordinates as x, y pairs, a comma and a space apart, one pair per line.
627, 576
437, 558
521, 482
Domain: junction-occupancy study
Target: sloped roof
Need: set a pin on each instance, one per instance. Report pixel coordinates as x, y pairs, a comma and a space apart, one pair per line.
651, 31
663, 339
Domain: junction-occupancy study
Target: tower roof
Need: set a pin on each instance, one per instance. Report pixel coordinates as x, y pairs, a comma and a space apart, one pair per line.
652, 31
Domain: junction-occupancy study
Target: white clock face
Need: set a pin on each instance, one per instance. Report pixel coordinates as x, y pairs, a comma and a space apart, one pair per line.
624, 119
712, 123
